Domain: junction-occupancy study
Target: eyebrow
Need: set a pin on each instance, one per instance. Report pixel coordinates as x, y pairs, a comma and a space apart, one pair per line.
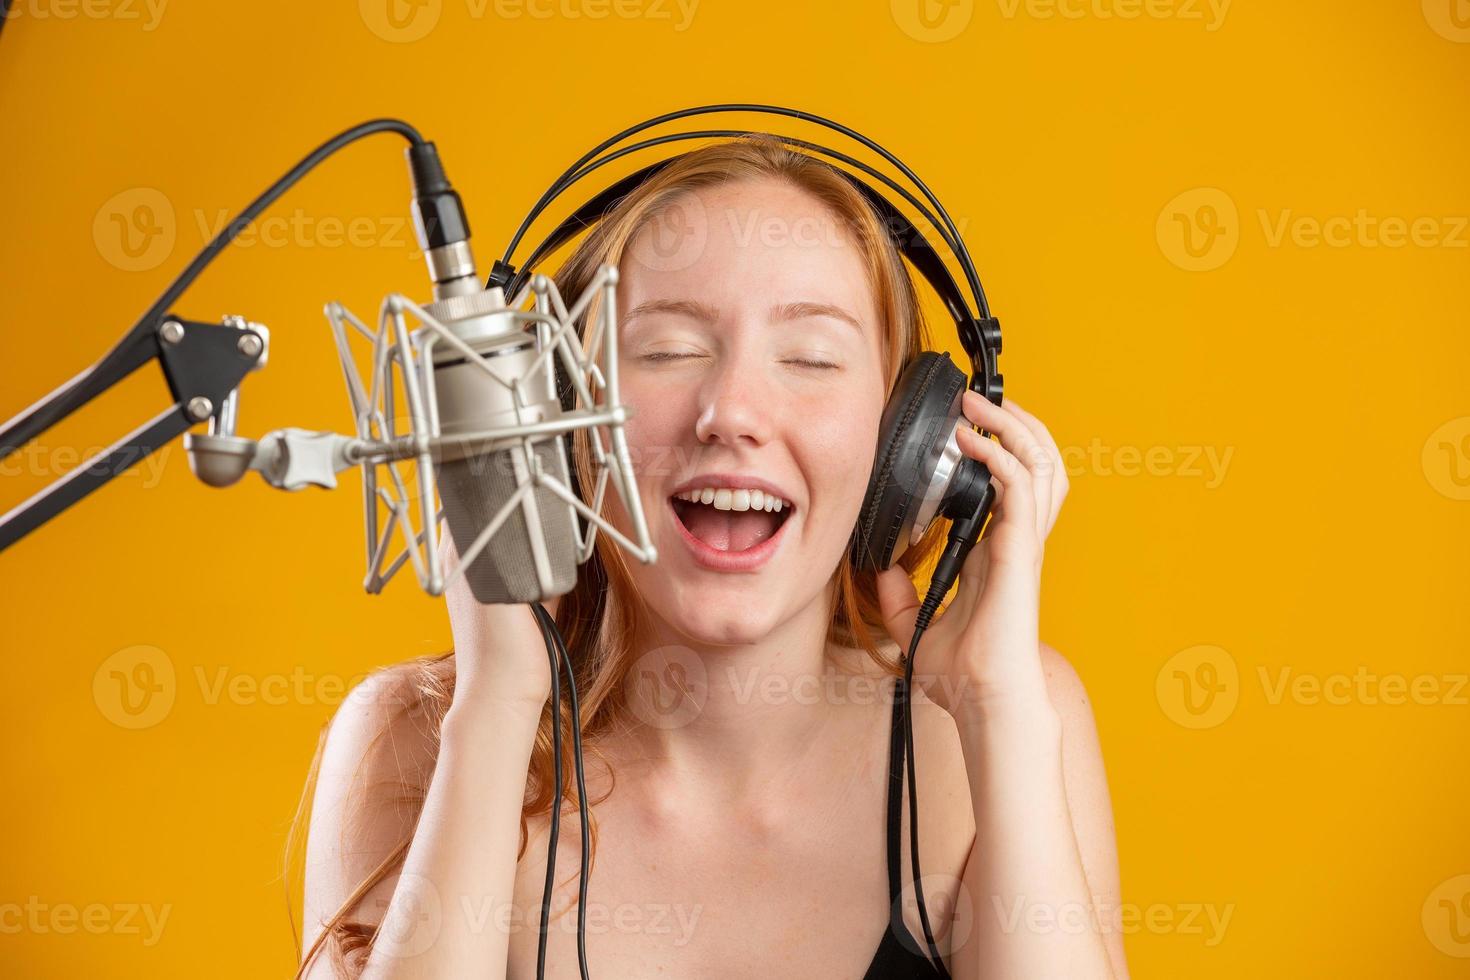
797, 311
706, 313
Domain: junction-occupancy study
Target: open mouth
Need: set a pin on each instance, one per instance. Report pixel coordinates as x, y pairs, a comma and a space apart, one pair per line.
730, 521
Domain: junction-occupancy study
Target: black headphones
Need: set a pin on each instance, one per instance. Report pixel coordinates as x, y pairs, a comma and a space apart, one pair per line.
919, 473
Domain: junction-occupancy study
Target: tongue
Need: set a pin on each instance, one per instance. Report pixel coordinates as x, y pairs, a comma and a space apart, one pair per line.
729, 530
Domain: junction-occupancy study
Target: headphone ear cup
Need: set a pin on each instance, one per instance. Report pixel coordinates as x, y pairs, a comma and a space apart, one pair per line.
917, 423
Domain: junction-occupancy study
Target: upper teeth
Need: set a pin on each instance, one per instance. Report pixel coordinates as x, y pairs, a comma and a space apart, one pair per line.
727, 499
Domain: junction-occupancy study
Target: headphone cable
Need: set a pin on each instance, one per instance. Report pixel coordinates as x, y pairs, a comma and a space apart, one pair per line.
553, 652
554, 640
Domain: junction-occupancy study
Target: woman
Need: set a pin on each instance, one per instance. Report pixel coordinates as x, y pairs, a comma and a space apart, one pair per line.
737, 694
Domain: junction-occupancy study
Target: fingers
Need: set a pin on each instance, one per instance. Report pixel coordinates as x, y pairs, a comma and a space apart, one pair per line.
1016, 489
1022, 444
898, 600
1059, 483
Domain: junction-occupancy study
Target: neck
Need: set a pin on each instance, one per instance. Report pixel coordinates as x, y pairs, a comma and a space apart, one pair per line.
740, 713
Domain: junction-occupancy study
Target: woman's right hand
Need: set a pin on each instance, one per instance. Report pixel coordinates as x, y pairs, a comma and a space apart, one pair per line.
500, 654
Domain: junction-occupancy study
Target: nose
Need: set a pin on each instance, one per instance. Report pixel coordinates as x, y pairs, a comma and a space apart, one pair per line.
736, 407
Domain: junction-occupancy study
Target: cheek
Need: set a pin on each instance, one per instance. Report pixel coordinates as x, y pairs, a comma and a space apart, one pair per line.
839, 456
659, 431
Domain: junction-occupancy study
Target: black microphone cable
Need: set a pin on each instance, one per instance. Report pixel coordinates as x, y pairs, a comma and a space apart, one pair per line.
12, 437
552, 651
556, 647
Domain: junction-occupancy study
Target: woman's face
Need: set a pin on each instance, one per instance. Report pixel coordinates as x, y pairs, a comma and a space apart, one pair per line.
750, 355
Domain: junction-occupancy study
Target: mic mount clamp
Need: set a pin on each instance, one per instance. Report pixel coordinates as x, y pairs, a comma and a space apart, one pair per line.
203, 365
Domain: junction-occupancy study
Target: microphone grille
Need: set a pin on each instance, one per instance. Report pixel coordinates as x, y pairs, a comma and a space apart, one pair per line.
473, 489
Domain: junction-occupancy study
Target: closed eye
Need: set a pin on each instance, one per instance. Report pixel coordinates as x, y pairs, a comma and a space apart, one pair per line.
667, 355
657, 356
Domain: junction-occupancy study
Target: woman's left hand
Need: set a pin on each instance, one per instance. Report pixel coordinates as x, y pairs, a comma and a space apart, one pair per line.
983, 649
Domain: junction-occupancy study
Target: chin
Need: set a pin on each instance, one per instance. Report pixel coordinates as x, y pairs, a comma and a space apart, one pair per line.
715, 614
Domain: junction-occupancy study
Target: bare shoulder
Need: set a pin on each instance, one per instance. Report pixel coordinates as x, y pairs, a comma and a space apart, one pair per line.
1088, 797
375, 763
1066, 689
1082, 761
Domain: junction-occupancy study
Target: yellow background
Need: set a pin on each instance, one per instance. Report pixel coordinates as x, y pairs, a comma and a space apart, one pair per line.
1330, 545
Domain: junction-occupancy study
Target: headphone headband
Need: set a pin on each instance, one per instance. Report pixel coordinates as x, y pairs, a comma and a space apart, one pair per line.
979, 336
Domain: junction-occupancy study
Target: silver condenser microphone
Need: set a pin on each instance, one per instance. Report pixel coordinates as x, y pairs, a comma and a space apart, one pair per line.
475, 479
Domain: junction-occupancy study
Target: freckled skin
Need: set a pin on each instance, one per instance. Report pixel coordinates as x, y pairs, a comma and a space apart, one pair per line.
740, 405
